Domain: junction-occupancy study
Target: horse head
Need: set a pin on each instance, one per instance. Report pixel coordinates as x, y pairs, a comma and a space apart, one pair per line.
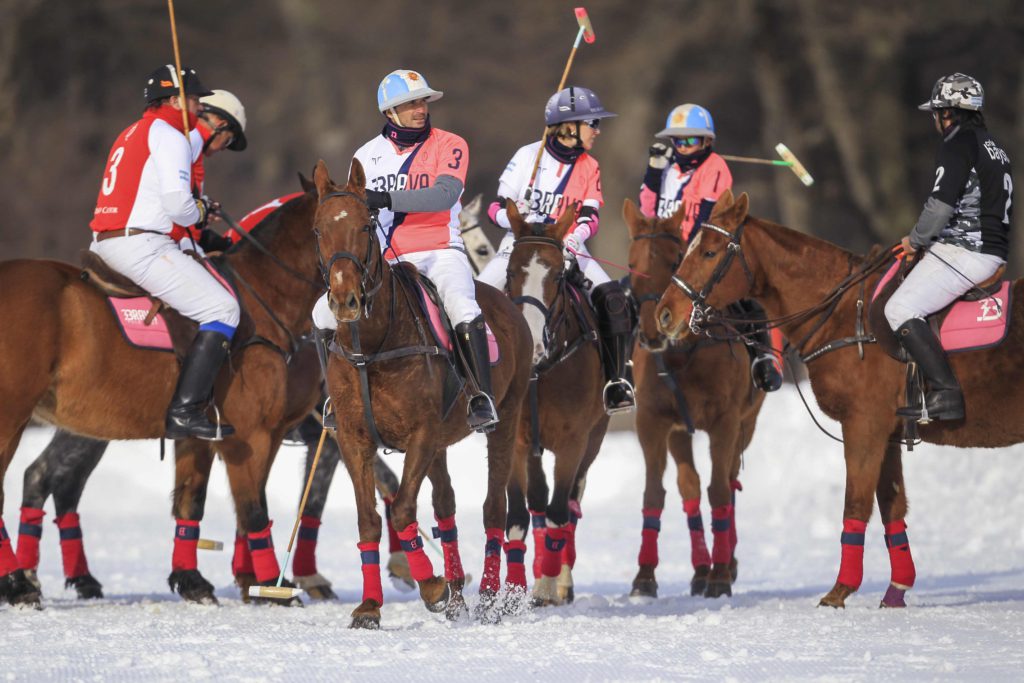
705, 280
655, 251
536, 271
346, 233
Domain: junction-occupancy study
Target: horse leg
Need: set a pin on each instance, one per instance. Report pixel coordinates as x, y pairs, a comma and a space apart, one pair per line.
652, 434
193, 460
503, 444
680, 445
443, 498
15, 588
864, 452
537, 502
359, 458
892, 505
746, 436
398, 565
566, 591
724, 453
517, 524
556, 533
304, 571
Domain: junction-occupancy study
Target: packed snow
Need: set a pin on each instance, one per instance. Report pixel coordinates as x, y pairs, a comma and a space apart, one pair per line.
965, 618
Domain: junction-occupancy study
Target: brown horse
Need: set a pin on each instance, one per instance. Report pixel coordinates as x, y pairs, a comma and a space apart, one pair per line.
64, 360
565, 412
680, 386
387, 387
816, 293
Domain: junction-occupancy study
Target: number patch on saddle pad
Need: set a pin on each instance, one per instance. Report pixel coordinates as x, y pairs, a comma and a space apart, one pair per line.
981, 324
131, 315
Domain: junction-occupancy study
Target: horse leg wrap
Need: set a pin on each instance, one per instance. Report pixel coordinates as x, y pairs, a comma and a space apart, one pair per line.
649, 538
490, 582
900, 559
539, 524
304, 561
71, 549
851, 566
735, 485
569, 552
721, 551
699, 555
555, 539
448, 533
515, 556
29, 532
419, 564
369, 553
186, 540
394, 543
241, 561
264, 561
8, 560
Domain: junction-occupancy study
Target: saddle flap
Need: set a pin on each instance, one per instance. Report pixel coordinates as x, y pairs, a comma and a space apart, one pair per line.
439, 324
141, 323
979, 323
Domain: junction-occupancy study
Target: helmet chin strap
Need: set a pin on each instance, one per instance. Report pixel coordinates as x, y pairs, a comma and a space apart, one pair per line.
398, 119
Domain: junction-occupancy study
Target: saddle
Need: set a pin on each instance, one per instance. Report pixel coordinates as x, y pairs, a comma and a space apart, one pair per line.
145, 321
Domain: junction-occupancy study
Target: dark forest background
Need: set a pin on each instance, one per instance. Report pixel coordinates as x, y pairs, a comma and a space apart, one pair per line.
837, 82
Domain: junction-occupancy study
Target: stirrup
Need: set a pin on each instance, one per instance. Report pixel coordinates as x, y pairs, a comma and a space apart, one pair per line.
627, 387
328, 420
488, 425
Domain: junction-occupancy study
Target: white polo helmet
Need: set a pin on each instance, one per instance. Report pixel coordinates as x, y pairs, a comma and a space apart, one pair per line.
227, 106
401, 86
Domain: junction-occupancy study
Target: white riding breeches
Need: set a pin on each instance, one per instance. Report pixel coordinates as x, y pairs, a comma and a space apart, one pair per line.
495, 272
155, 263
448, 269
942, 276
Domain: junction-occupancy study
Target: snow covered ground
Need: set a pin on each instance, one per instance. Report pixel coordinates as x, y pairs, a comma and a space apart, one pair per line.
965, 620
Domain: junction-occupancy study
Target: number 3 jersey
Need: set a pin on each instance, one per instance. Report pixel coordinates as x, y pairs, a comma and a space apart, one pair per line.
390, 168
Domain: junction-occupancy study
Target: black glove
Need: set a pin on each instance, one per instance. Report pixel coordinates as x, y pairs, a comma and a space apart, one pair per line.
211, 241
378, 200
660, 154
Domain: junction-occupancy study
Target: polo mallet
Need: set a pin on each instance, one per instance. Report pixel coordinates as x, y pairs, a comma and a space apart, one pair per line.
788, 159
179, 77
280, 592
586, 32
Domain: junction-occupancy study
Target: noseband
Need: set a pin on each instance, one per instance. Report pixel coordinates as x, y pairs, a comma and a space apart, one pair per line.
547, 312
369, 282
701, 310
659, 344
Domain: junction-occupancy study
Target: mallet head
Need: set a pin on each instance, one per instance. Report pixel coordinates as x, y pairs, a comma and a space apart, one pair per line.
584, 21
795, 164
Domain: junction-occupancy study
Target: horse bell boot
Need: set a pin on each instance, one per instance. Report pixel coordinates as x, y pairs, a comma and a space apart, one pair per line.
615, 325
322, 340
186, 416
943, 397
472, 339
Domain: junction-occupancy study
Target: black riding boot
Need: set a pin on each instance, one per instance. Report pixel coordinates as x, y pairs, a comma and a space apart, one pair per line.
186, 416
614, 323
321, 340
943, 398
764, 365
472, 337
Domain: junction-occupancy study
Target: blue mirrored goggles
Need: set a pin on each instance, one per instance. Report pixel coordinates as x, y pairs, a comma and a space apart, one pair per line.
688, 141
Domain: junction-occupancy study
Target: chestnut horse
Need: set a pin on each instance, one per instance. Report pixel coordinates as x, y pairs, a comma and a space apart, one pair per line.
64, 360
694, 384
565, 411
815, 292
381, 352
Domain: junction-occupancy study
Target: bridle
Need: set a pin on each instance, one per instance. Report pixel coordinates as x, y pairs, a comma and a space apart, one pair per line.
371, 266
661, 342
560, 281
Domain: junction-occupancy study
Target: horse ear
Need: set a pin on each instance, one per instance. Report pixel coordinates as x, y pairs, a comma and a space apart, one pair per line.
471, 211
515, 219
742, 207
725, 201
322, 178
565, 223
632, 215
357, 178
307, 184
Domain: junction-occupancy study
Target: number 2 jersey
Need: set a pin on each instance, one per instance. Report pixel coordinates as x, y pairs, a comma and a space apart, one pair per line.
390, 168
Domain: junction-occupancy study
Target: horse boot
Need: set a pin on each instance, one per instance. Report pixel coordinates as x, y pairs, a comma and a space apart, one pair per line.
472, 339
943, 398
614, 324
186, 416
765, 371
321, 340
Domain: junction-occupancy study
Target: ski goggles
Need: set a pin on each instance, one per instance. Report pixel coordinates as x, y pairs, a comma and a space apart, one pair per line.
593, 123
687, 141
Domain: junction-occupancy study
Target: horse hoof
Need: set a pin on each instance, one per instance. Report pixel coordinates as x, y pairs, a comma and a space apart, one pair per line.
545, 592
837, 596
366, 615
716, 589
734, 569
244, 581
87, 587
32, 577
316, 586
434, 603
894, 597
488, 610
564, 586
456, 608
398, 572
515, 601
699, 582
644, 588
18, 590
191, 586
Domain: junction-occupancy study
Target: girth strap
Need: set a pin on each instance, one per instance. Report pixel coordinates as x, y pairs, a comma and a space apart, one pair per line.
670, 382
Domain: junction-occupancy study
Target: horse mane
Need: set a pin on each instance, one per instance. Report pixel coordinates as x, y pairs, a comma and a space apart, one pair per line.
796, 242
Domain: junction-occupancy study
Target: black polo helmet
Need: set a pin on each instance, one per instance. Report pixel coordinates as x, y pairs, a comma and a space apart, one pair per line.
164, 83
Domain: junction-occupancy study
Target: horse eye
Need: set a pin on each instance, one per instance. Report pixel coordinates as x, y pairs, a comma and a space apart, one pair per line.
709, 254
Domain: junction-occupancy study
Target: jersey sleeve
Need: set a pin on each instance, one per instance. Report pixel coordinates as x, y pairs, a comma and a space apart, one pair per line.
170, 155
513, 180
715, 179
593, 195
453, 157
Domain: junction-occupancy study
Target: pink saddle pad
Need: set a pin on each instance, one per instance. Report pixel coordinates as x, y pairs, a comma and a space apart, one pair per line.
977, 324
441, 334
131, 316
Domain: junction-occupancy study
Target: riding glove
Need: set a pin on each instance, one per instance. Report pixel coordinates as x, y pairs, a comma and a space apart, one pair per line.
378, 200
660, 155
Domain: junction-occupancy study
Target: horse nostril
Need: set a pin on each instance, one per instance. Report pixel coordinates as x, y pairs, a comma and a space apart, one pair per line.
665, 318
352, 302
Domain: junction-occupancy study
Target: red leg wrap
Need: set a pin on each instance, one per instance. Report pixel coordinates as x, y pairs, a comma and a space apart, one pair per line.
515, 556
419, 564
851, 566
264, 561
369, 553
394, 543
8, 560
733, 539
554, 540
569, 552
490, 582
539, 523
304, 559
186, 539
900, 559
241, 561
71, 548
449, 535
699, 555
649, 537
721, 551
29, 533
